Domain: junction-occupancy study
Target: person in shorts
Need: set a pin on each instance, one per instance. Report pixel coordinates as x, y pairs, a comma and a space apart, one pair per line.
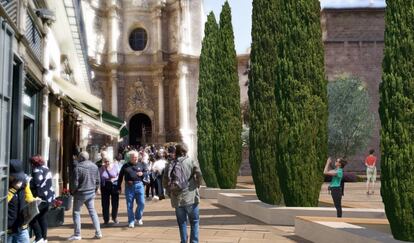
370, 163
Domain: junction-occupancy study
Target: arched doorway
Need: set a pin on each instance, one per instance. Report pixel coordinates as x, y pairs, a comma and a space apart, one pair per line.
140, 129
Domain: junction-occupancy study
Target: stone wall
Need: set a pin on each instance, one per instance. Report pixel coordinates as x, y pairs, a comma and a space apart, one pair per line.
354, 42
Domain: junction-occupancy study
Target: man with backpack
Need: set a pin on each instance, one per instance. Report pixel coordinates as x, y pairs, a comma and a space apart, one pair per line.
182, 178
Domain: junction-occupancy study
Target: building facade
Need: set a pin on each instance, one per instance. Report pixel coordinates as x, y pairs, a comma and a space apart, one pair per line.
144, 60
22, 89
46, 107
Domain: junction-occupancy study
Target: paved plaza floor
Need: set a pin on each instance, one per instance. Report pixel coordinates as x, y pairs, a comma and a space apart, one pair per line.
217, 223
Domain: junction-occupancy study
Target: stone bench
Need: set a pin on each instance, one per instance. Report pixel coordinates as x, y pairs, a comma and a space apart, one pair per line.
343, 230
212, 193
249, 205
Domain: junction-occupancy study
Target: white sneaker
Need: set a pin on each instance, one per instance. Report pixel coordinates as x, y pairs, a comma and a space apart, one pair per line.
74, 237
140, 222
131, 225
99, 236
39, 241
156, 198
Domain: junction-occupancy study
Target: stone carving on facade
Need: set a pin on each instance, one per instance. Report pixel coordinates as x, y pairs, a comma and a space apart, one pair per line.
136, 97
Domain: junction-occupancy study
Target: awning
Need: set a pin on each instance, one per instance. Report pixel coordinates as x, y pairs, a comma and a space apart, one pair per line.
89, 108
108, 118
103, 122
75, 93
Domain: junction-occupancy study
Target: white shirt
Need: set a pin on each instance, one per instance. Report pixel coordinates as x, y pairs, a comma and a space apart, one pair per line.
159, 165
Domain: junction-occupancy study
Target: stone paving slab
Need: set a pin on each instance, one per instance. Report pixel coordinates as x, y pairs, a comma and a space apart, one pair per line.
356, 196
217, 224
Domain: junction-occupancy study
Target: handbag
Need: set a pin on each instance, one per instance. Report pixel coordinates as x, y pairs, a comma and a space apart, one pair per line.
30, 211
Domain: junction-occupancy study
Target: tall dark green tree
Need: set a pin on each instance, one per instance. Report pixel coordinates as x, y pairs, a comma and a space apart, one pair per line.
228, 119
301, 101
397, 119
205, 103
263, 126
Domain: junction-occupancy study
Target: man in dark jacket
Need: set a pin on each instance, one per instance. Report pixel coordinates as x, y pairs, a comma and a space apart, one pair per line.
133, 173
86, 181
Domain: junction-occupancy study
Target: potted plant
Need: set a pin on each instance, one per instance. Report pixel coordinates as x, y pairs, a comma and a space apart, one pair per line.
56, 214
66, 199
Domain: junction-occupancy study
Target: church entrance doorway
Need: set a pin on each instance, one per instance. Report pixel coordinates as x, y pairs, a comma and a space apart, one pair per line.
140, 130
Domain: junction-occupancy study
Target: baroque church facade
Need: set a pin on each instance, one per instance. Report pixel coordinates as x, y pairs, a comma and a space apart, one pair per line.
143, 56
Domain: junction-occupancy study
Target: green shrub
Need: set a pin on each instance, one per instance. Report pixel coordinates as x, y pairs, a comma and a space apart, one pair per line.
350, 122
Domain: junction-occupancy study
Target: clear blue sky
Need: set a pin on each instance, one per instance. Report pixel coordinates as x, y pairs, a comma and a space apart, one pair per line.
242, 14
241, 17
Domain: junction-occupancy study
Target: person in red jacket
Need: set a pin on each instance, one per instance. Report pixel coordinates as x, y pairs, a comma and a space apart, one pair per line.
370, 163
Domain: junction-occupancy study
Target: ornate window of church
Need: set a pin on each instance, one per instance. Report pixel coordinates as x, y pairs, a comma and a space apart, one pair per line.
138, 39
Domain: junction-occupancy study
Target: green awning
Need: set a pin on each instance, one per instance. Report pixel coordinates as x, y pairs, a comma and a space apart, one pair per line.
114, 121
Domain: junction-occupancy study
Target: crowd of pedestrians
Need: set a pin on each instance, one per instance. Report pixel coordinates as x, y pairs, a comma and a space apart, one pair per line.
139, 172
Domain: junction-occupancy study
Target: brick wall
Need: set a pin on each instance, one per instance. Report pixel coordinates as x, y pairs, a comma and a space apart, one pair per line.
354, 42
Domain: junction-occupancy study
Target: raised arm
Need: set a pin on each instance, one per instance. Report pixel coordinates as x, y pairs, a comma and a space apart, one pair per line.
328, 172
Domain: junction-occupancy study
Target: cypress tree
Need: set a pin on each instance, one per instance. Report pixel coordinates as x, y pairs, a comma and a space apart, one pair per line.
301, 101
227, 110
397, 119
205, 122
262, 137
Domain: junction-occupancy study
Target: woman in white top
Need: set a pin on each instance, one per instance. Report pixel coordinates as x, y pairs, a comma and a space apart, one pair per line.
158, 170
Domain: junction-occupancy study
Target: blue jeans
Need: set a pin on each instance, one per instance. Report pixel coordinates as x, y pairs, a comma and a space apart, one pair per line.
135, 191
87, 199
192, 212
21, 237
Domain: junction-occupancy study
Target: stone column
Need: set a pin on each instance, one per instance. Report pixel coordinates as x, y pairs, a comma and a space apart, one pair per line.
45, 125
161, 109
113, 37
187, 134
113, 32
55, 139
114, 92
185, 28
158, 24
